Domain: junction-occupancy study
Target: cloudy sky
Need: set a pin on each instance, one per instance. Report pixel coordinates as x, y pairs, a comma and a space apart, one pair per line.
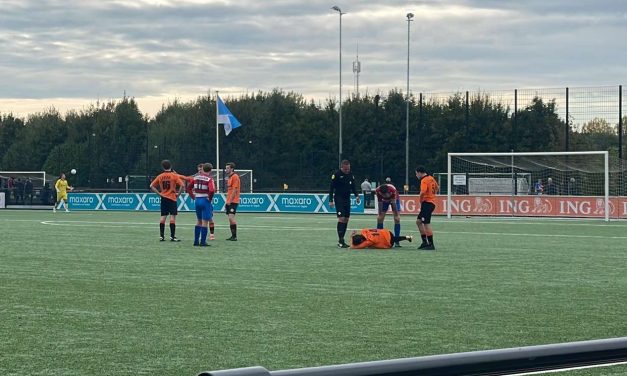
68, 54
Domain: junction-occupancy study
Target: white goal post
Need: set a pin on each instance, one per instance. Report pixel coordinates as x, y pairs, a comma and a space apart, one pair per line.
528, 173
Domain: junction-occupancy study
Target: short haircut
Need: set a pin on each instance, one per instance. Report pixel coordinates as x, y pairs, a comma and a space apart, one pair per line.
384, 188
166, 164
421, 169
232, 165
207, 167
358, 239
200, 165
345, 162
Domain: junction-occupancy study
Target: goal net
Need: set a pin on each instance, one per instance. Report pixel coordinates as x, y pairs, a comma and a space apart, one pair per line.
37, 178
534, 174
142, 182
245, 176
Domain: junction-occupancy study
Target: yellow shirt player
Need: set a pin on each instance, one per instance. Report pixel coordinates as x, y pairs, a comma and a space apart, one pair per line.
62, 187
232, 198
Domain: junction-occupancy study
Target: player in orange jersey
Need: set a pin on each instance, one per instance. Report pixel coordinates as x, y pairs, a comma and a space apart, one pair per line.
169, 186
375, 238
428, 188
232, 198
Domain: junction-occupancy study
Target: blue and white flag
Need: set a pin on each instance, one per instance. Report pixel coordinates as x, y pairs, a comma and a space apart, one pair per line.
226, 117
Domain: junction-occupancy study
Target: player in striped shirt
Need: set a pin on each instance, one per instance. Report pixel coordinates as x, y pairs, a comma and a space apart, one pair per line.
387, 196
204, 189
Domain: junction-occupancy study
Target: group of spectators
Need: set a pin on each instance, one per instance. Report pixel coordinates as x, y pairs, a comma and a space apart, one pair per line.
17, 190
21, 191
551, 188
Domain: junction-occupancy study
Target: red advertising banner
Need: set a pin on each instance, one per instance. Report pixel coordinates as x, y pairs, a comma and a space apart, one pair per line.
524, 206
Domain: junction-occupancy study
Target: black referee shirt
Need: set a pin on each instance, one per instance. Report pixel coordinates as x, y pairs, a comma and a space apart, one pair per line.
341, 186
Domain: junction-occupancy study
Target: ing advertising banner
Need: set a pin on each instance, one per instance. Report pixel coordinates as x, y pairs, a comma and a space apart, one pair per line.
529, 206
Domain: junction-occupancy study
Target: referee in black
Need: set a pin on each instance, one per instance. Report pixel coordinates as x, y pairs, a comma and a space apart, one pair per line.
342, 184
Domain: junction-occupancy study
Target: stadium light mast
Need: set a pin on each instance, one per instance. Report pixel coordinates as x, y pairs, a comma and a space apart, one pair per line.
409, 19
337, 9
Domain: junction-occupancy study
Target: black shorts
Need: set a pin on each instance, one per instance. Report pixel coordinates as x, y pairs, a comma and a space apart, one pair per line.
230, 208
426, 209
168, 207
343, 208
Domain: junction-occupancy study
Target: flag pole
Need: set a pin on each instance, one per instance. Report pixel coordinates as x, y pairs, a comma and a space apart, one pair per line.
217, 146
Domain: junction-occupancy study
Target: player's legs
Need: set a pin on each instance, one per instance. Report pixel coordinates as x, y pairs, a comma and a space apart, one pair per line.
206, 215
231, 210
199, 204
210, 223
400, 238
397, 221
67, 209
343, 213
383, 209
424, 220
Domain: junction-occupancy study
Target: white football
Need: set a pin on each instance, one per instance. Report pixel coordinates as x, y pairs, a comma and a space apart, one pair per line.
73, 171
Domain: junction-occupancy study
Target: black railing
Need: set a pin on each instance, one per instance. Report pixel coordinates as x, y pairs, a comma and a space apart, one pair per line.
492, 362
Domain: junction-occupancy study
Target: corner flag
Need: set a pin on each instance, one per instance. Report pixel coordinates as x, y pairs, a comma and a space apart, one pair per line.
226, 118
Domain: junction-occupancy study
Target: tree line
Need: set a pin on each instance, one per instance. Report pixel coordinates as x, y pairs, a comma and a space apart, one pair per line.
285, 139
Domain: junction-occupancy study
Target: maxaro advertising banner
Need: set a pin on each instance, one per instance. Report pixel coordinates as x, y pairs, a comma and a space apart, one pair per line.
121, 201
298, 203
355, 208
249, 202
85, 201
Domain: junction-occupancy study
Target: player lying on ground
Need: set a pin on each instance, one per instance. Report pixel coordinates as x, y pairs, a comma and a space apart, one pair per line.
375, 238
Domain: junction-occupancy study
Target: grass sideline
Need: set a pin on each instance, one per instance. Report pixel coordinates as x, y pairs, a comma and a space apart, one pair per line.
96, 293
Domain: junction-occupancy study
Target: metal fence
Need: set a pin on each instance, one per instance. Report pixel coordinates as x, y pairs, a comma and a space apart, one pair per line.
575, 106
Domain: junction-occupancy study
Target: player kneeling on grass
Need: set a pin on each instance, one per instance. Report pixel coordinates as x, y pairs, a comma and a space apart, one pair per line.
375, 238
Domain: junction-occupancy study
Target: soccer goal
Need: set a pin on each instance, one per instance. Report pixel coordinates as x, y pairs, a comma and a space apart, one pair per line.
38, 178
539, 184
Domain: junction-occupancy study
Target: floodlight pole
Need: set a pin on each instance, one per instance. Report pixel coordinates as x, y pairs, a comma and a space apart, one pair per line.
409, 19
337, 9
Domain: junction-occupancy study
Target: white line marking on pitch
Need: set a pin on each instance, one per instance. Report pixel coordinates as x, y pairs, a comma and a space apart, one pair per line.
138, 224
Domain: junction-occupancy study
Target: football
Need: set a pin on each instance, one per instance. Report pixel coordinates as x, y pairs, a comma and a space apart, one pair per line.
73, 171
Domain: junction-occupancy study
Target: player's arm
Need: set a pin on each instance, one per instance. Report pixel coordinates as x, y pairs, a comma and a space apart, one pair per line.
181, 183
424, 187
332, 190
153, 186
212, 189
56, 185
354, 187
362, 245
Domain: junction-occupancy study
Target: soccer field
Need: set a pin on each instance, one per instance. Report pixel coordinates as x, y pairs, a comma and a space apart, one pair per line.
97, 293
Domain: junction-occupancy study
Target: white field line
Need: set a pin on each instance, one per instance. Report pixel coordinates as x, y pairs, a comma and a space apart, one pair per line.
300, 228
568, 369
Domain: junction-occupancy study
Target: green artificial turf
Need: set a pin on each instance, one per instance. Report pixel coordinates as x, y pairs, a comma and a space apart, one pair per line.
97, 293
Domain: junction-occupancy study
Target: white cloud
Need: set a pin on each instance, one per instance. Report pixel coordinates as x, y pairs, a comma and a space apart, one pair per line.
162, 49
